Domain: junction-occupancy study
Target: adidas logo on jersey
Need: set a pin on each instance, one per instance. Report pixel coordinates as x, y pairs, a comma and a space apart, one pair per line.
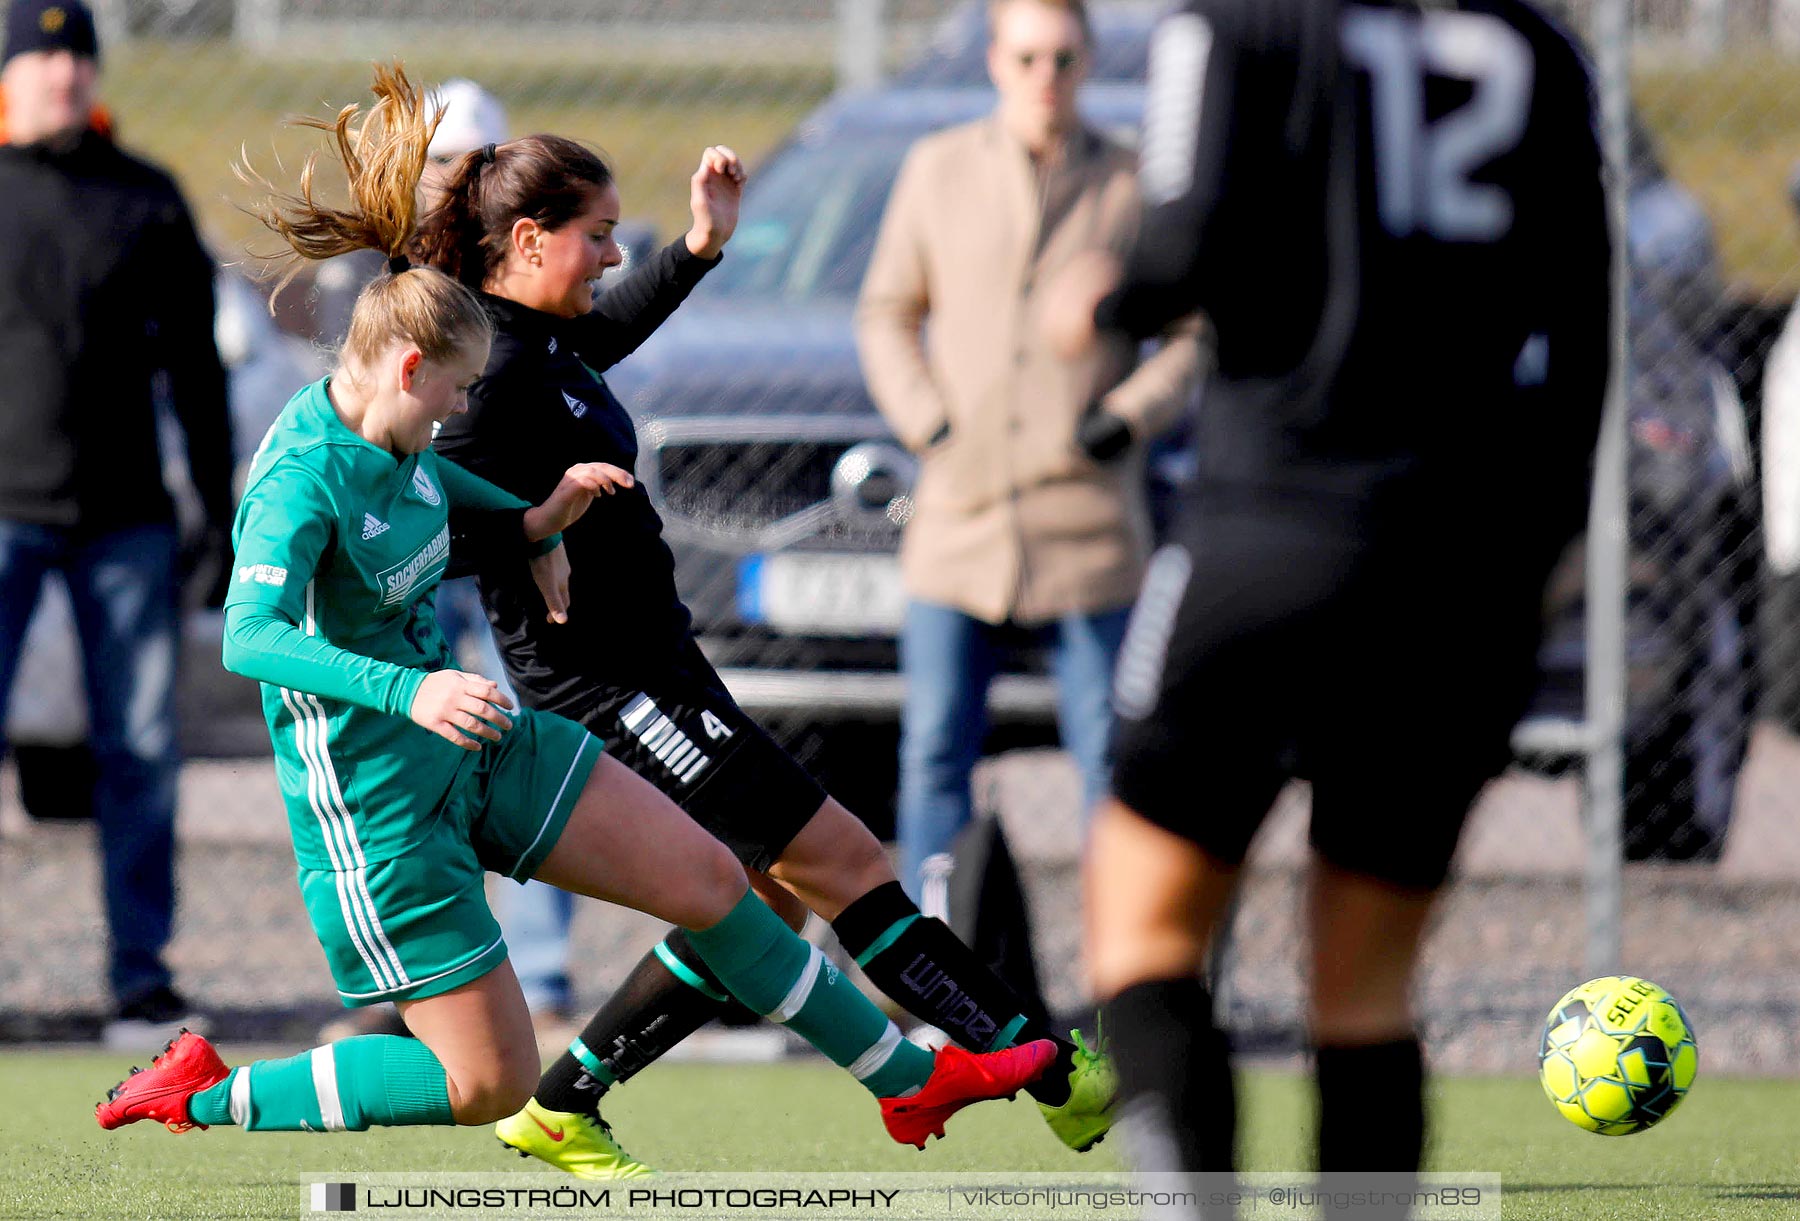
575, 405
373, 526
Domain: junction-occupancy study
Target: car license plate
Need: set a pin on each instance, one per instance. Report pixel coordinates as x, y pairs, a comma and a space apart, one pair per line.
822, 594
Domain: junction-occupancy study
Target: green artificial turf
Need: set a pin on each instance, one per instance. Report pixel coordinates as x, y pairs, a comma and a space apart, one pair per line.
1728, 1152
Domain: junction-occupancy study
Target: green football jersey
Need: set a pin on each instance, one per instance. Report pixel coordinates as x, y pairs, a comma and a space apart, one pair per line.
339, 546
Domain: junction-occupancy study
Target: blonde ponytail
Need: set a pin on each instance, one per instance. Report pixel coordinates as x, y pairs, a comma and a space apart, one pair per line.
383, 153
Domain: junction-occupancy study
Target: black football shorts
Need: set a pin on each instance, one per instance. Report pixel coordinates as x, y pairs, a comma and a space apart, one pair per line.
1389, 669
685, 734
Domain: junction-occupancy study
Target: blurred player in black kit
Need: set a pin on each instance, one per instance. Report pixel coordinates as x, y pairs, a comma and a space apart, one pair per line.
1394, 215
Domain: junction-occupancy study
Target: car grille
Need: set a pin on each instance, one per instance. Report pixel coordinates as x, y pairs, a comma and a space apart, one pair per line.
759, 485
744, 485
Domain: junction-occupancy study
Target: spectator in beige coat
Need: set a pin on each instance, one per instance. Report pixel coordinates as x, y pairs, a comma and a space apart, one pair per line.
1029, 510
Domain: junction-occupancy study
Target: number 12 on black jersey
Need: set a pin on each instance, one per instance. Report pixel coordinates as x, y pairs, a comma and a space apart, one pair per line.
1424, 169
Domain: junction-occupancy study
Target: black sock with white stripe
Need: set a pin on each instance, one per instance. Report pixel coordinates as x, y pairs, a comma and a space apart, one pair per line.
921, 964
669, 995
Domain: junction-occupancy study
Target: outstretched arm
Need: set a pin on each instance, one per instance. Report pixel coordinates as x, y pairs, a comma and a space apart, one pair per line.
488, 520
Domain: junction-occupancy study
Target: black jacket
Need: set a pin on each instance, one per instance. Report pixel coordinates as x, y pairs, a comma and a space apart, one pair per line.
541, 407
106, 310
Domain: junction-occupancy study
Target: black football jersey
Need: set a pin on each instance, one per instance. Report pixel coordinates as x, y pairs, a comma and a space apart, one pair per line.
1394, 215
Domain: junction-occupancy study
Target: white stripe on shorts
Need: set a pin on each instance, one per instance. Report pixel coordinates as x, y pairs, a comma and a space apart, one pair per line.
348, 826
1138, 679
477, 956
348, 903
586, 741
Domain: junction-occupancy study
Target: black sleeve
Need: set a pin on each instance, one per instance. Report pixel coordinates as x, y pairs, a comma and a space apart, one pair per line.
197, 387
492, 440
1188, 120
630, 310
479, 537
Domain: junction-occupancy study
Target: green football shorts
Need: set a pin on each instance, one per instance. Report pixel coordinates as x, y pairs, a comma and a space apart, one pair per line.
419, 924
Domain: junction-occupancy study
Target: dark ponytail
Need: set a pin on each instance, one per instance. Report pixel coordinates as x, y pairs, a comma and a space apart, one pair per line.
550, 179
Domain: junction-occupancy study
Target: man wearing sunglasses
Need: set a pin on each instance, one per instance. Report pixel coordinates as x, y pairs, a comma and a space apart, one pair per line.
1029, 518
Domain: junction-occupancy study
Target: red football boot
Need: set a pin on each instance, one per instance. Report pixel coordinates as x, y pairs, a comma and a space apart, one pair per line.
958, 1078
187, 1065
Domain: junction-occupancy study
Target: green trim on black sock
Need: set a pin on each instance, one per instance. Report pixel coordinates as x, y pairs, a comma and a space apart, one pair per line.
680, 970
651, 1011
589, 1061
919, 962
887, 939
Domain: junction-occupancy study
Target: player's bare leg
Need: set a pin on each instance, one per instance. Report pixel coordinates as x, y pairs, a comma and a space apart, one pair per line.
782, 901
1366, 936
626, 843
481, 1034
1154, 900
833, 861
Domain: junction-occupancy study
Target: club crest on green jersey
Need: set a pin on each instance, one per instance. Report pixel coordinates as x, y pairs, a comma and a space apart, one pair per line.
426, 489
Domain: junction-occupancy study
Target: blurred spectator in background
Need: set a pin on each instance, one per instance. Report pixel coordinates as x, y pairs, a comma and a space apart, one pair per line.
1781, 517
1691, 526
106, 319
1029, 518
534, 917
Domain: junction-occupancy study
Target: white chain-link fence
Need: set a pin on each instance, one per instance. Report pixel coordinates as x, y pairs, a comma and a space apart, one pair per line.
784, 497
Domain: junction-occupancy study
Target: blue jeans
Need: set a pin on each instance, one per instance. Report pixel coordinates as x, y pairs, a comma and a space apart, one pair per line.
535, 917
949, 659
123, 590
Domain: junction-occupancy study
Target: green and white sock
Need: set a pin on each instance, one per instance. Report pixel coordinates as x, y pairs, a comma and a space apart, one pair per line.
375, 1080
787, 980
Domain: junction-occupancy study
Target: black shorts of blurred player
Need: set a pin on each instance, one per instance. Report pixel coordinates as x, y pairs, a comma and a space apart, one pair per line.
1387, 664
